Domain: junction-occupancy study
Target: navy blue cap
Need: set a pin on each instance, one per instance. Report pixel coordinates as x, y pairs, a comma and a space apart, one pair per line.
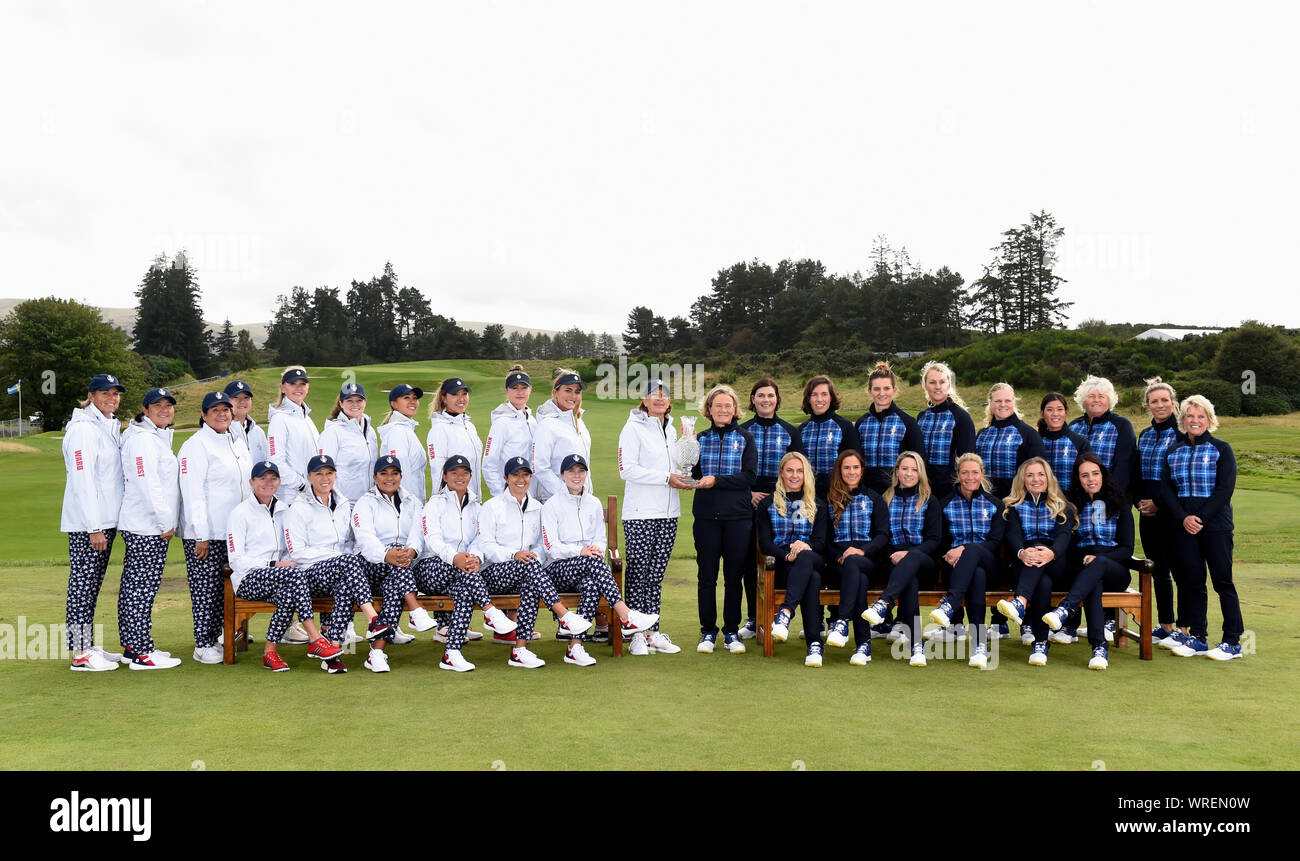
572, 461
517, 463
571, 380
518, 378
211, 399
105, 382
654, 385
348, 390
238, 387
265, 466
386, 462
452, 385
401, 390
456, 460
153, 396
294, 374
320, 461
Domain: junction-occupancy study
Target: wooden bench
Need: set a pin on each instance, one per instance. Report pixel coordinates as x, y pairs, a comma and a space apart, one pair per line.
238, 612
1132, 603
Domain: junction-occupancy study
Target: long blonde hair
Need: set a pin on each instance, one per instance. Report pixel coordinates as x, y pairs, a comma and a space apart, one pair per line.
280, 399
1015, 403
555, 384
809, 498
1056, 502
922, 481
942, 368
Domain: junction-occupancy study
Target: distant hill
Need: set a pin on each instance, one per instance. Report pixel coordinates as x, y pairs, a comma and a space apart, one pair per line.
124, 319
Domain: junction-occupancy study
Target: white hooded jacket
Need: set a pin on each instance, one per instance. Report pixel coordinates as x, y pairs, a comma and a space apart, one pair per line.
647, 455
314, 533
92, 497
253, 533
570, 523
511, 435
505, 527
397, 437
450, 435
557, 436
378, 524
151, 496
354, 447
291, 441
253, 437
214, 470
448, 528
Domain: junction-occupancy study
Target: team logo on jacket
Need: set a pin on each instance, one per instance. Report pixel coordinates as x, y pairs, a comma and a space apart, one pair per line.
735, 445
139, 466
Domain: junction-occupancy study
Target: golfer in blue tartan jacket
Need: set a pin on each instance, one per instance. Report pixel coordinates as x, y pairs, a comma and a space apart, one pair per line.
947, 429
884, 430
1061, 445
1197, 491
1110, 435
1006, 442
1155, 524
723, 513
826, 433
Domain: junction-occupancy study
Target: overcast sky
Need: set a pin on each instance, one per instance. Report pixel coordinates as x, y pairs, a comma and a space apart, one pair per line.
554, 164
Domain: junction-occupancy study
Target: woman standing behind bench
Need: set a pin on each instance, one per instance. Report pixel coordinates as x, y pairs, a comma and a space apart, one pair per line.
859, 531
214, 463
1061, 445
1040, 523
826, 434
291, 437
243, 426
792, 528
350, 439
915, 529
1098, 556
1197, 491
946, 427
511, 432
452, 433
560, 433
150, 511
92, 499
1110, 435
397, 437
885, 430
1006, 441
774, 438
1155, 525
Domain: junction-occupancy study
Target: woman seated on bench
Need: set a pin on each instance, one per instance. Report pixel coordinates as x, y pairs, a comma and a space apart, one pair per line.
972, 528
318, 534
859, 531
510, 530
1098, 556
453, 560
386, 527
793, 527
573, 534
1040, 521
258, 574
915, 528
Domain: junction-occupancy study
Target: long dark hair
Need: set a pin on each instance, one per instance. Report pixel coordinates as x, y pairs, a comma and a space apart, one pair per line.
840, 494
1110, 492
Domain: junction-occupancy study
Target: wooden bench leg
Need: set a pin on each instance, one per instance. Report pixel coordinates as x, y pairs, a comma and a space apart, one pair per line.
1145, 645
765, 609
228, 626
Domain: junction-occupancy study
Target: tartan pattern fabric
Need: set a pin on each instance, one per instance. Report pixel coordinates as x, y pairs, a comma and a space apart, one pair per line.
1153, 445
721, 452
881, 439
999, 448
855, 521
937, 427
1193, 469
1095, 528
821, 443
772, 443
1061, 454
1036, 521
968, 520
906, 524
790, 528
1102, 436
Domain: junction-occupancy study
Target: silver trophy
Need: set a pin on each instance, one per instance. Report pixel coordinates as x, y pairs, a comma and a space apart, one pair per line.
688, 449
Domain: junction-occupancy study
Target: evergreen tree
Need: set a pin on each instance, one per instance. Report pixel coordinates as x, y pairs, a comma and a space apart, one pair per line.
169, 321
224, 345
492, 343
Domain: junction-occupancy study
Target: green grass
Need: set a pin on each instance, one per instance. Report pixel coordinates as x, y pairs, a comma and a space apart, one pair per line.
686, 711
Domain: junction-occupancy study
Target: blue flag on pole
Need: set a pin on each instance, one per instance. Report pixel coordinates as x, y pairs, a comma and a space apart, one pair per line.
15, 388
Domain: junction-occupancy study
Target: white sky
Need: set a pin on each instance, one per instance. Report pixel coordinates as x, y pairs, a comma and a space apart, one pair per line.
554, 164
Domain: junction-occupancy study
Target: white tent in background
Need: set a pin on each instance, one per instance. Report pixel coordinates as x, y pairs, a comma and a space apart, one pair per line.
1173, 334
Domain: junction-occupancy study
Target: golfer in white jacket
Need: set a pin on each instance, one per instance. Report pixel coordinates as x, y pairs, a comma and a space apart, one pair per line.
560, 433
243, 426
350, 439
452, 433
92, 498
397, 437
511, 433
214, 470
292, 438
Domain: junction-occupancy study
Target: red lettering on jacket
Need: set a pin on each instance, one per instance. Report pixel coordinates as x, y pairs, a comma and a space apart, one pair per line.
487, 448
139, 466
76, 455
270, 444
185, 466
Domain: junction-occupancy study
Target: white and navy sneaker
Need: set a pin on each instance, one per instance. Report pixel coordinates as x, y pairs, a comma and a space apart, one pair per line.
1056, 619
1173, 640
999, 632
1026, 634
1064, 637
918, 655
875, 614
749, 630
1159, 635
734, 644
839, 634
942, 615
861, 655
1099, 658
1224, 652
155, 660
814, 656
781, 626
706, 644
1013, 609
1038, 657
1111, 628
1192, 647
979, 657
